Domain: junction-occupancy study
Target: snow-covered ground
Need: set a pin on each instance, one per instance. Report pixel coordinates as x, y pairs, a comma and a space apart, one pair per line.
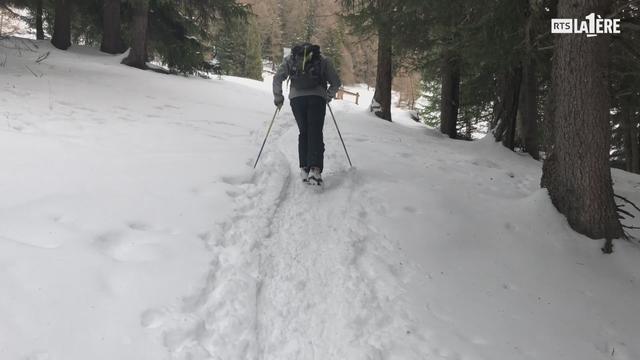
133, 227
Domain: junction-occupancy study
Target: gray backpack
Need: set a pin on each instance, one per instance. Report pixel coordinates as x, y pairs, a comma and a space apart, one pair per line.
306, 67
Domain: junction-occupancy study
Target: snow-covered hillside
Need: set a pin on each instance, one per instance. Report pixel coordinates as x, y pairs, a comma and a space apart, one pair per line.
133, 227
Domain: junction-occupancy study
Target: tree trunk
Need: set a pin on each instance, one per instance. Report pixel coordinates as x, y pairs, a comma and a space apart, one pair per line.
627, 138
39, 24
547, 121
62, 25
529, 90
529, 109
450, 95
635, 149
577, 173
384, 76
138, 53
111, 39
632, 141
508, 110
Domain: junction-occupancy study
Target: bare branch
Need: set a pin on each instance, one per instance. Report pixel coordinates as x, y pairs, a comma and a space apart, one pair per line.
620, 210
627, 201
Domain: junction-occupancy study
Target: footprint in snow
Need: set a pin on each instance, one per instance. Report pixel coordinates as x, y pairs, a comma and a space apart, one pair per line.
205, 236
510, 227
36, 241
233, 193
410, 209
152, 319
237, 179
485, 163
39, 356
130, 248
134, 225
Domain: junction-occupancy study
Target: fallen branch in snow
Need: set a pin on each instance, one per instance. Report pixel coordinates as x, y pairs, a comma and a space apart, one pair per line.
34, 74
43, 57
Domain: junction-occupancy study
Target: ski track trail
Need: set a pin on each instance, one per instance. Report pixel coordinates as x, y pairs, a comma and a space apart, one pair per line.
296, 273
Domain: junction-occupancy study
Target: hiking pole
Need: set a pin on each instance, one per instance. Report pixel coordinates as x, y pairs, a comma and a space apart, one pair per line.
340, 135
265, 138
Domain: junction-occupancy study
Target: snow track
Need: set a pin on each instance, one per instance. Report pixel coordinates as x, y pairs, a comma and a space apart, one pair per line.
132, 227
297, 273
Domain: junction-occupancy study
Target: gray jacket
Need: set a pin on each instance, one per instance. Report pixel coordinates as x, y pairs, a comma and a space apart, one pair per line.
328, 71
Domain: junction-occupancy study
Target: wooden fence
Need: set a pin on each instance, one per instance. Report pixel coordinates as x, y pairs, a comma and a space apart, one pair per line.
342, 92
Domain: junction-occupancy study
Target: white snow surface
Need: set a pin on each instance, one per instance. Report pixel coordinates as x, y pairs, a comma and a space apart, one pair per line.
133, 227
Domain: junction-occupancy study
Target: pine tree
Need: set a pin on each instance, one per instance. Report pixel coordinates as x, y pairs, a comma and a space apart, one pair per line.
332, 46
111, 38
625, 94
379, 17
450, 93
253, 57
138, 52
39, 12
239, 50
577, 172
62, 27
310, 21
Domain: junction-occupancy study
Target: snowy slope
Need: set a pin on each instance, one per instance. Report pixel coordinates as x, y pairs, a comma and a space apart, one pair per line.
132, 226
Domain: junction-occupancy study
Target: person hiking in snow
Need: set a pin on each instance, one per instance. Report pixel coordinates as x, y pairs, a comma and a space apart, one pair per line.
310, 73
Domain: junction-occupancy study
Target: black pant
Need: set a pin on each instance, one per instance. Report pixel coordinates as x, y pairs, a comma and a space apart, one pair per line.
309, 112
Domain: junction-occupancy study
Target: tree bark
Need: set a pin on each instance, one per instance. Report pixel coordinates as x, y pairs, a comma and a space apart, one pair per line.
529, 109
635, 149
529, 90
450, 95
511, 113
384, 76
508, 110
39, 23
61, 38
111, 39
631, 140
138, 52
547, 121
627, 138
549, 100
577, 173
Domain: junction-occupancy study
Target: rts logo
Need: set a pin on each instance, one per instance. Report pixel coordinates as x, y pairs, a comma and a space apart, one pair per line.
593, 25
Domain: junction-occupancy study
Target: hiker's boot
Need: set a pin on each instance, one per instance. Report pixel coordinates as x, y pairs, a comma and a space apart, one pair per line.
315, 177
304, 174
